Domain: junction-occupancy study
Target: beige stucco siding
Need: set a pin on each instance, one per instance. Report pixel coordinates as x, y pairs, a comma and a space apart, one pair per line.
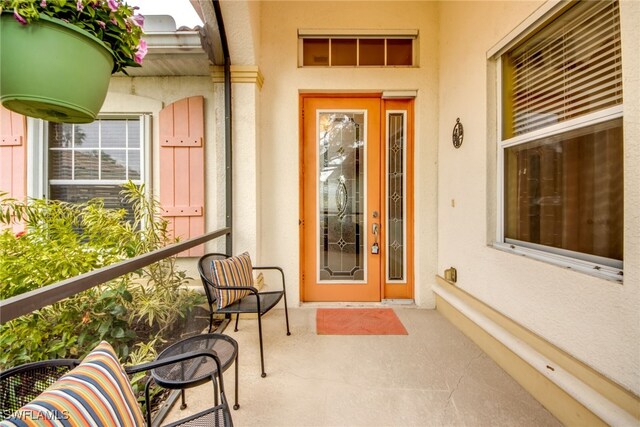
279, 134
596, 320
593, 319
149, 95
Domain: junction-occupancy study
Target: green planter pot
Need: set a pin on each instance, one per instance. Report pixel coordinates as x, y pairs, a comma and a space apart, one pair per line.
52, 70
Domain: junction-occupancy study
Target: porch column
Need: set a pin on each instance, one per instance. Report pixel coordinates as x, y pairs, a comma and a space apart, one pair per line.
246, 83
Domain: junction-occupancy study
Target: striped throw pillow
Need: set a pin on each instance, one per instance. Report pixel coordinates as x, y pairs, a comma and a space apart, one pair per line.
233, 271
96, 393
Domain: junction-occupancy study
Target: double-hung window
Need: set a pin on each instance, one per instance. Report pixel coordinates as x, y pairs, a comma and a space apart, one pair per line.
93, 160
560, 141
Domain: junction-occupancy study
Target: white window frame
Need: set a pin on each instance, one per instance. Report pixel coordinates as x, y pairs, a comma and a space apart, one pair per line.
597, 266
38, 151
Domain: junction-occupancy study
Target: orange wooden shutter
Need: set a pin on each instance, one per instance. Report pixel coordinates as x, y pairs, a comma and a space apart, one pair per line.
13, 165
182, 168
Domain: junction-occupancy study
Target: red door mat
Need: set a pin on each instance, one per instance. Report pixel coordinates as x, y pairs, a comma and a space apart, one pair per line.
358, 321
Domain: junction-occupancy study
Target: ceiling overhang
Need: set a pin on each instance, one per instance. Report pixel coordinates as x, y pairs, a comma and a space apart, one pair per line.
179, 52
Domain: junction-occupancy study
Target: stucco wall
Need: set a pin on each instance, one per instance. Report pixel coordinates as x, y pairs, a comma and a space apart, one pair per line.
242, 23
279, 134
150, 95
596, 320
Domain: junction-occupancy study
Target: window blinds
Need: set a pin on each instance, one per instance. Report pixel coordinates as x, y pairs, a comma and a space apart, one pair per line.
101, 150
570, 68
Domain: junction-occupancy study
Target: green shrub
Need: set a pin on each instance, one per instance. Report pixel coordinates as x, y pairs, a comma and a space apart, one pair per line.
63, 240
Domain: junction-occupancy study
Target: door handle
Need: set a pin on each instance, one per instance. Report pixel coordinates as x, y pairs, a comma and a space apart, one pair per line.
375, 248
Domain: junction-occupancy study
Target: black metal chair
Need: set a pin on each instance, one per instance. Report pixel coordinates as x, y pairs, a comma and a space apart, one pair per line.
22, 384
256, 302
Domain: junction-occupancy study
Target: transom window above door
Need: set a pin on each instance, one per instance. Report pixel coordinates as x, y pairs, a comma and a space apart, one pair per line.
320, 48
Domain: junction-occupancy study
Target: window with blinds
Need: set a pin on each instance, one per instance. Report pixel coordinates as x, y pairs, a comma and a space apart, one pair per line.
93, 160
562, 141
569, 68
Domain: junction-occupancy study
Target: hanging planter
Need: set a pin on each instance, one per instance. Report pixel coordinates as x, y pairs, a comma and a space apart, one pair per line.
52, 70
57, 57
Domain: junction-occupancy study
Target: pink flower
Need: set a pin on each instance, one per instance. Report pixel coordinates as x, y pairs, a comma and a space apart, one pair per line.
79, 5
113, 5
19, 18
141, 51
138, 20
101, 24
43, 3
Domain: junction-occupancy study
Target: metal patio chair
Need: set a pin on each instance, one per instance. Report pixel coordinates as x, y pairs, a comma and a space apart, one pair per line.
256, 302
22, 384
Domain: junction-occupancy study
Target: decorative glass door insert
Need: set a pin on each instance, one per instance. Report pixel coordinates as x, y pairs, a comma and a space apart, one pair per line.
342, 190
356, 234
396, 200
341, 205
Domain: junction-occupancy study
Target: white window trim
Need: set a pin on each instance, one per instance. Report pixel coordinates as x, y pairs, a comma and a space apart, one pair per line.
38, 151
566, 126
596, 266
324, 33
591, 268
37, 164
541, 15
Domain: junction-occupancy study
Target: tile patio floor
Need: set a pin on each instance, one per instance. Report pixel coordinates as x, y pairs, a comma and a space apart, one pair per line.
435, 376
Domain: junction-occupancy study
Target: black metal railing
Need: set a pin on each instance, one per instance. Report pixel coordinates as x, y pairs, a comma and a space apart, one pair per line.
28, 302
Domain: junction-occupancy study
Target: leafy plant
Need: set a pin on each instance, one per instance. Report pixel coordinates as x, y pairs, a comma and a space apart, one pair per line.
115, 23
144, 352
63, 240
162, 281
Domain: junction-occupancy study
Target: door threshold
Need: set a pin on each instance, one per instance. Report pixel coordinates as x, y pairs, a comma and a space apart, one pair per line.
340, 304
365, 304
398, 301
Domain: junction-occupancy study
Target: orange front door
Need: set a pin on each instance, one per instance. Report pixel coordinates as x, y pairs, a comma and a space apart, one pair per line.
341, 192
343, 212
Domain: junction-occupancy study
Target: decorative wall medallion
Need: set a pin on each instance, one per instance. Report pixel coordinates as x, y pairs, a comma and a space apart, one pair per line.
458, 134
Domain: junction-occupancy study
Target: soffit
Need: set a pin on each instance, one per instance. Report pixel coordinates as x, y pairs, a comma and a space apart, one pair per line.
176, 52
